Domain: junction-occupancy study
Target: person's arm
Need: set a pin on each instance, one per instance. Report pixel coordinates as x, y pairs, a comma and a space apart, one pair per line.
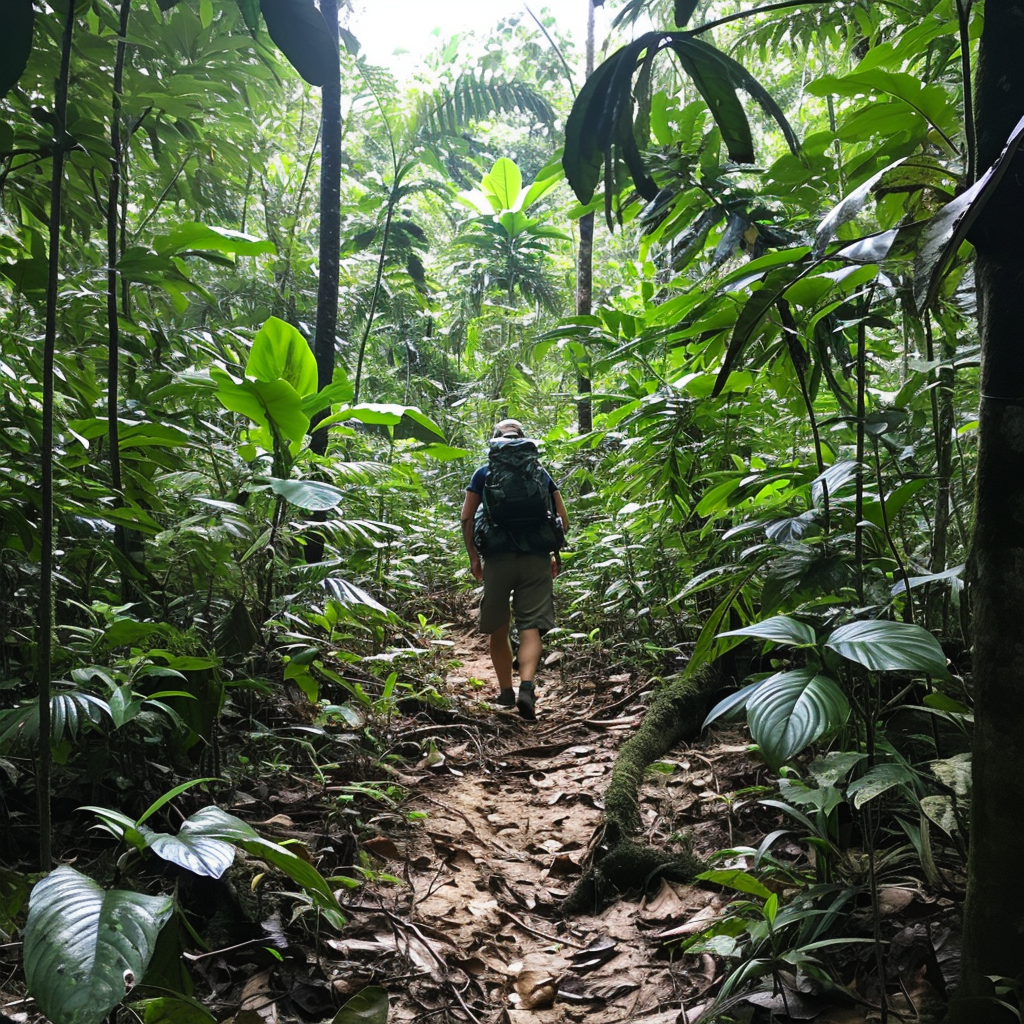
560, 510
469, 507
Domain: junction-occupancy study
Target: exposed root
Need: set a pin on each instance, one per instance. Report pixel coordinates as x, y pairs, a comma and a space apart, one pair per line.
619, 862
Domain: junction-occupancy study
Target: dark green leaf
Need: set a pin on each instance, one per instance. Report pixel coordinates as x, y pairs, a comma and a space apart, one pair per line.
684, 11
790, 710
15, 41
734, 878
250, 14
312, 495
781, 629
878, 780
846, 209
885, 646
947, 230
299, 29
370, 1006
933, 577
754, 311
85, 948
180, 1010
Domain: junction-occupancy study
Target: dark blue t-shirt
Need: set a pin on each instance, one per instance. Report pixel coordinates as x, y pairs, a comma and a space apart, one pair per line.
476, 485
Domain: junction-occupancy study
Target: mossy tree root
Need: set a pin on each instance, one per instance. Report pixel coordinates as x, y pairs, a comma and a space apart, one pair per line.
619, 862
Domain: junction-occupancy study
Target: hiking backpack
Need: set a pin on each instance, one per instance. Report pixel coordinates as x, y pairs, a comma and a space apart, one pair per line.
516, 512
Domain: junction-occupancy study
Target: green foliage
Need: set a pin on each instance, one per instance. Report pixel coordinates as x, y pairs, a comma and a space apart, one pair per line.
86, 947
17, 43
790, 710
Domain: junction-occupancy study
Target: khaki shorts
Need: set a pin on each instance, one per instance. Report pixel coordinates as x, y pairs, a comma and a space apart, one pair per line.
526, 579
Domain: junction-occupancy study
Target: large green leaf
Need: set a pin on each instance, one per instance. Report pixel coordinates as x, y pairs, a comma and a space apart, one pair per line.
312, 495
684, 11
190, 236
15, 41
405, 420
214, 823
503, 183
878, 780
736, 878
790, 710
299, 29
250, 14
369, 1006
280, 351
885, 646
191, 850
780, 628
847, 208
264, 402
86, 947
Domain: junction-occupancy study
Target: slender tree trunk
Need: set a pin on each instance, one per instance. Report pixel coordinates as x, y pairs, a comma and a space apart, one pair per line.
585, 267
113, 334
993, 940
60, 110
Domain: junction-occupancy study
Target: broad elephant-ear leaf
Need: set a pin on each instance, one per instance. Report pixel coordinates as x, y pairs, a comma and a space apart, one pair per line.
948, 229
882, 645
303, 36
86, 947
16, 44
790, 710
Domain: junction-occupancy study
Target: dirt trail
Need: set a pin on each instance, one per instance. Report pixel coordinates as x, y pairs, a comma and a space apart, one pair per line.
512, 809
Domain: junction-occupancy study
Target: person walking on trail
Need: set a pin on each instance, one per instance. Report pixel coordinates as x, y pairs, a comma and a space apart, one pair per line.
513, 525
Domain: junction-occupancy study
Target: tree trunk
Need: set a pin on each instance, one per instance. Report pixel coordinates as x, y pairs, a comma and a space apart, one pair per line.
325, 340
993, 941
585, 268
330, 227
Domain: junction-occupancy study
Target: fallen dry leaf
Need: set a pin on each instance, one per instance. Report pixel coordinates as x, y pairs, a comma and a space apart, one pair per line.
536, 989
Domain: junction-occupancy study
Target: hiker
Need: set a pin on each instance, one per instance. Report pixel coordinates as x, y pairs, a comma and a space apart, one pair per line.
514, 517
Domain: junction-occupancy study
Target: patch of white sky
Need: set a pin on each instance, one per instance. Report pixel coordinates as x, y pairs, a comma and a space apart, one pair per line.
399, 34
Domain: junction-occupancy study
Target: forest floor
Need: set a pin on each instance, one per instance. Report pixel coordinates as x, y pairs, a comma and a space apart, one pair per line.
513, 810
458, 917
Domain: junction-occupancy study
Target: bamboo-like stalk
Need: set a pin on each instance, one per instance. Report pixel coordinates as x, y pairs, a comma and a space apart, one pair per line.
60, 109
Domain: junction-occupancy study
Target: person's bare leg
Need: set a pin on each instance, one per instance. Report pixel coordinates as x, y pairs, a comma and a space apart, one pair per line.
501, 656
529, 662
529, 654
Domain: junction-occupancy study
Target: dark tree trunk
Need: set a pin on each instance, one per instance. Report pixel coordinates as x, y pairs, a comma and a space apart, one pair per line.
585, 268
325, 341
993, 941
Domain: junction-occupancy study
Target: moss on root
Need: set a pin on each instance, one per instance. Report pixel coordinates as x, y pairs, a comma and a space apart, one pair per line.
620, 863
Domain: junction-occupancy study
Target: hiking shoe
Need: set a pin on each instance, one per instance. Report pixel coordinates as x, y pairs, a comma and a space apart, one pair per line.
506, 699
526, 700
